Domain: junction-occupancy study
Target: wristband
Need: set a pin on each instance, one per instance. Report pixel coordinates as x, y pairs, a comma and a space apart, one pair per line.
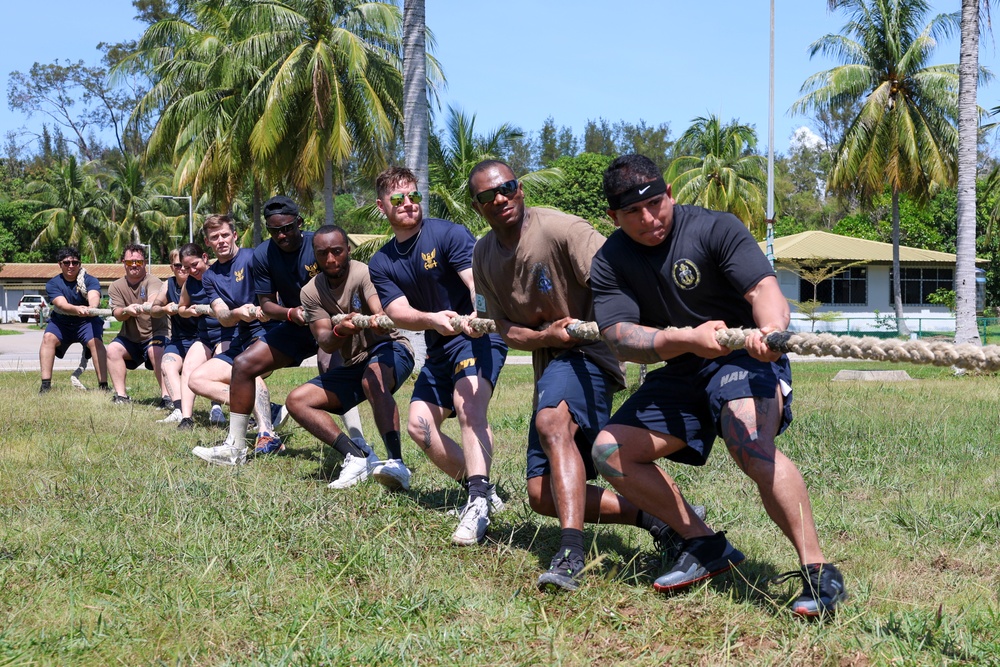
338, 335
288, 314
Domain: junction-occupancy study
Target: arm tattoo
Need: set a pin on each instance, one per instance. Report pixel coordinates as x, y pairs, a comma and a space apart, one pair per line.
601, 455
425, 432
633, 342
745, 424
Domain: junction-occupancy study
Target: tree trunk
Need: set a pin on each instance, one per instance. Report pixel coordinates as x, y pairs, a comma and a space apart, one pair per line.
328, 192
258, 232
966, 330
415, 122
897, 293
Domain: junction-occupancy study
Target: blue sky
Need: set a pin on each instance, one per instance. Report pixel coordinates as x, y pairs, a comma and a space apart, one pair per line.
521, 61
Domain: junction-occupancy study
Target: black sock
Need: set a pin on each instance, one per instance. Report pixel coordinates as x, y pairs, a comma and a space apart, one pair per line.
571, 539
647, 521
177, 405
393, 445
479, 486
102, 386
47, 384
346, 446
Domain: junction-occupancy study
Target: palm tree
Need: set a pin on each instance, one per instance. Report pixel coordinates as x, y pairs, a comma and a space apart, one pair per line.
73, 214
718, 169
416, 128
331, 88
966, 330
453, 156
904, 137
132, 209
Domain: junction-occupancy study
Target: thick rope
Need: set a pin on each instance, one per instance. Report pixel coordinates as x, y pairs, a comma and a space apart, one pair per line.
936, 353
201, 309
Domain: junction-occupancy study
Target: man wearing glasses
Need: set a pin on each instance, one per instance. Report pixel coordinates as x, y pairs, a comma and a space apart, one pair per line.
423, 277
72, 294
532, 274
142, 335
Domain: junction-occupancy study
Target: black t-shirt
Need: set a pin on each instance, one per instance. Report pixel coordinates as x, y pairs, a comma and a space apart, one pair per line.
699, 273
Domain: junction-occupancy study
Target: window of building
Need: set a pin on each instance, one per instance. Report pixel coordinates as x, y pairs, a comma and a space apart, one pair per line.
916, 284
849, 288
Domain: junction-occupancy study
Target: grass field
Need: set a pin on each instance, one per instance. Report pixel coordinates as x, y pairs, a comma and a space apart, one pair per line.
119, 547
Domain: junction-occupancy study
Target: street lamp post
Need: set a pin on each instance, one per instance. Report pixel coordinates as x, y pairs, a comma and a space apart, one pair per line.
190, 213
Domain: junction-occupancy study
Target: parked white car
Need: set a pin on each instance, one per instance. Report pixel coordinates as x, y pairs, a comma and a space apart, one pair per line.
32, 307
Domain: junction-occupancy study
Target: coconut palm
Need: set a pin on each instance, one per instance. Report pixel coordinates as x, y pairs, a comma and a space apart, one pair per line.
453, 155
904, 137
416, 127
331, 90
718, 169
966, 330
72, 211
133, 212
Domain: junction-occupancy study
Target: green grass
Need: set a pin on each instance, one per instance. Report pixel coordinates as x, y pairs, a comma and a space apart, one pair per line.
8, 332
117, 546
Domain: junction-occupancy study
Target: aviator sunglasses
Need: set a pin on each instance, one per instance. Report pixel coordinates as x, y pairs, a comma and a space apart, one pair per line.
70, 262
506, 189
397, 199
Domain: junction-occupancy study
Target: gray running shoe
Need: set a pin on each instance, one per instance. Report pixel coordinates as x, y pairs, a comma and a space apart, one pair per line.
563, 573
823, 592
701, 558
666, 538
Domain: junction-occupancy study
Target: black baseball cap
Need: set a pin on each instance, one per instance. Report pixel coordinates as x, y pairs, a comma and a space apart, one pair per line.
280, 205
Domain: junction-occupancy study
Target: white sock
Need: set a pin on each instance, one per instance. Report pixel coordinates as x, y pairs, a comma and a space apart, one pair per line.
237, 429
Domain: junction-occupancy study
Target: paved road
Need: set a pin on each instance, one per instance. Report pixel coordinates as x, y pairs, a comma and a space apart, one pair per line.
20, 352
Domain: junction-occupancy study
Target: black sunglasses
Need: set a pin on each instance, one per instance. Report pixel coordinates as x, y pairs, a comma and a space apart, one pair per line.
506, 189
284, 229
70, 262
178, 266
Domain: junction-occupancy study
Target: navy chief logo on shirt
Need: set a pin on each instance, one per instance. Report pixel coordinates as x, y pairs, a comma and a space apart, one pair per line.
311, 269
686, 274
429, 261
238, 273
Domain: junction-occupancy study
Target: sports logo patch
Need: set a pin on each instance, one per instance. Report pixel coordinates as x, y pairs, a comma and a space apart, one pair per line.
685, 274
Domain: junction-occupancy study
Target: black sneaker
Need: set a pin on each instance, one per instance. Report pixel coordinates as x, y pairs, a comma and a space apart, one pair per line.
186, 424
44, 389
120, 400
165, 403
563, 573
666, 539
701, 558
823, 591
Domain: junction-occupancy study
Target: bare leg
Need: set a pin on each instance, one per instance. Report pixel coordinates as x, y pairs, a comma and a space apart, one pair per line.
117, 356
472, 397
196, 356
171, 368
424, 427
47, 354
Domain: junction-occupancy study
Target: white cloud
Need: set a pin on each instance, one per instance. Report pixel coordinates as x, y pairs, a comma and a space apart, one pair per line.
803, 136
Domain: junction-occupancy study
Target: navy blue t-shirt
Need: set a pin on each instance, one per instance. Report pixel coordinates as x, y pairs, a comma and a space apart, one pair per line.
198, 296
181, 328
699, 273
233, 282
425, 270
284, 273
58, 286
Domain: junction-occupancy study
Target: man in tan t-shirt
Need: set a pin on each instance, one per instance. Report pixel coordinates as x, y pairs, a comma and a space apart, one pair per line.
376, 363
142, 336
532, 273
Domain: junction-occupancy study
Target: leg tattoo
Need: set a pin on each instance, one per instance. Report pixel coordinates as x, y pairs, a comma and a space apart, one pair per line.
601, 455
741, 424
425, 432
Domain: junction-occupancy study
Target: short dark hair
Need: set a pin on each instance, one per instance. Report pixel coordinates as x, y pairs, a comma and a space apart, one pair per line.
135, 247
627, 171
190, 250
392, 177
331, 229
483, 166
67, 251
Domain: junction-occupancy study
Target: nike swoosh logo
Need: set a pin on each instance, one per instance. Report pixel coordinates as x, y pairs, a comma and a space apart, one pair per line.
643, 190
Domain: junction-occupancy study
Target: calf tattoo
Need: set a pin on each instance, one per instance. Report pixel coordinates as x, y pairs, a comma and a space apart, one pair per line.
633, 342
601, 455
425, 432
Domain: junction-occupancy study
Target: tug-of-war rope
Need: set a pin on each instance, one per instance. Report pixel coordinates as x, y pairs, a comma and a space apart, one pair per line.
935, 353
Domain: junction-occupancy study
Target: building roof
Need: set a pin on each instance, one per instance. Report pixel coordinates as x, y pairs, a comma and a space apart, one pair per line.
815, 244
103, 272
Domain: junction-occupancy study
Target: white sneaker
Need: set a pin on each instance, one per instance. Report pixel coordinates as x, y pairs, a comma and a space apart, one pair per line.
279, 415
173, 418
222, 454
354, 471
393, 475
496, 502
216, 416
75, 381
472, 523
